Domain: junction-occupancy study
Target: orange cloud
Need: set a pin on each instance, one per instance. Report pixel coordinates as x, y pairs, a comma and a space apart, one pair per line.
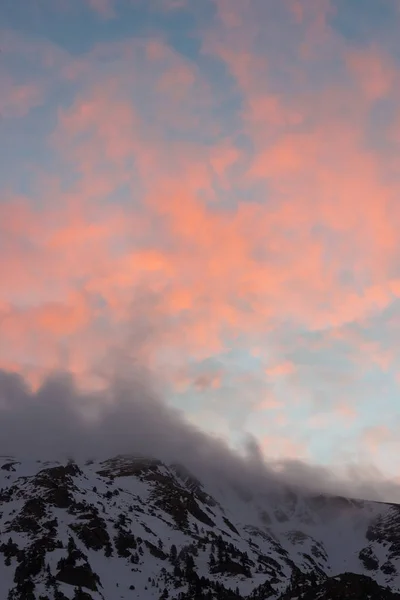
143, 154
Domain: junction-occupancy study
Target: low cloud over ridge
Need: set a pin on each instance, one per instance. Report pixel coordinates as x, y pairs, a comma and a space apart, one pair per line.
128, 416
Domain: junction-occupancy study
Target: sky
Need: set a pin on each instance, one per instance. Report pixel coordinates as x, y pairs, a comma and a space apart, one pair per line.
209, 189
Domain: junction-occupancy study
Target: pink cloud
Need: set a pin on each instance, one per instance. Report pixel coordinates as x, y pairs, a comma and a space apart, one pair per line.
218, 275
345, 410
269, 402
374, 438
277, 447
17, 100
207, 381
281, 369
105, 8
374, 72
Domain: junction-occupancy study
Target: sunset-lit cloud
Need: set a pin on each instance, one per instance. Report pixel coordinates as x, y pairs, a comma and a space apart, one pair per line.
218, 184
103, 7
281, 369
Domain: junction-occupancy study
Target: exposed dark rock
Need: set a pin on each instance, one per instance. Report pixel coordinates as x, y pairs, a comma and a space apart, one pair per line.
93, 532
81, 576
369, 559
10, 466
230, 525
58, 485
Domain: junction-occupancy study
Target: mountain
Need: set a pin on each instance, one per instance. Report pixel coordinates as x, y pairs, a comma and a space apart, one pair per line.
136, 528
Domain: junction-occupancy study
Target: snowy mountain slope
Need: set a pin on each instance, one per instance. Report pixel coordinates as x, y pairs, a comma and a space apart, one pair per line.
135, 528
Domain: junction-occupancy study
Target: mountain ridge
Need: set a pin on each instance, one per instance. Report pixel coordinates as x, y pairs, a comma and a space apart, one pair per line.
136, 527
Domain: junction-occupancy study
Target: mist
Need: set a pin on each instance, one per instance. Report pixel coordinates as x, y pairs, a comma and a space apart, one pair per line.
129, 416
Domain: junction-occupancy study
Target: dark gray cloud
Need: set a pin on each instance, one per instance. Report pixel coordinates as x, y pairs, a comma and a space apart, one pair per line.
53, 422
